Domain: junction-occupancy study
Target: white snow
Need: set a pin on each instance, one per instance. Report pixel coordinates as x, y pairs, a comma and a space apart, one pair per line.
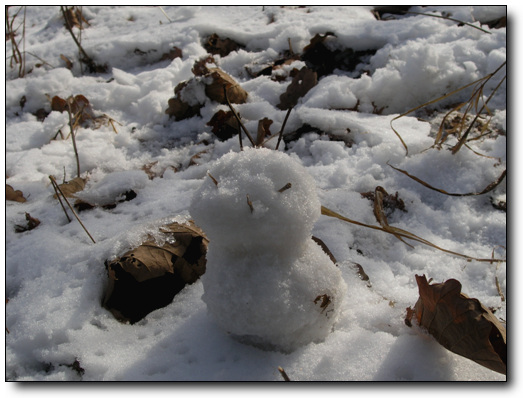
267, 283
56, 278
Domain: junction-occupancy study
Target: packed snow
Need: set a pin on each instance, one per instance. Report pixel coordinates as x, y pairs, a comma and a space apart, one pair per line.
56, 326
267, 283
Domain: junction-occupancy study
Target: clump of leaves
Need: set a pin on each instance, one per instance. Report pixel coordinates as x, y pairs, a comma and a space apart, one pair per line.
148, 277
460, 324
82, 112
320, 57
214, 44
32, 223
185, 105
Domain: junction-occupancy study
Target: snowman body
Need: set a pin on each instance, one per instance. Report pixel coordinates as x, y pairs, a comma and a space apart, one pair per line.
267, 283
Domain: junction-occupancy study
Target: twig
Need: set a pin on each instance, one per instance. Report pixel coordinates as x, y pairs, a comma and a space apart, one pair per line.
236, 116
163, 12
450, 19
58, 196
280, 134
249, 203
87, 59
285, 187
213, 179
69, 101
283, 374
464, 137
57, 187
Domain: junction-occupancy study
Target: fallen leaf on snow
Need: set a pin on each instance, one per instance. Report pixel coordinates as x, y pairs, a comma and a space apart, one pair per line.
11, 194
460, 324
149, 276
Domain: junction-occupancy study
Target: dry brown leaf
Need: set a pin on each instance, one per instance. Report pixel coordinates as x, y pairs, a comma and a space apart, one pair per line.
149, 276
68, 62
214, 90
32, 223
460, 324
379, 195
303, 80
224, 125
263, 130
174, 53
71, 187
11, 194
217, 45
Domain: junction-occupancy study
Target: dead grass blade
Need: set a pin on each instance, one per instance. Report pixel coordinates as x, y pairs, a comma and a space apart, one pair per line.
488, 188
463, 139
380, 213
472, 102
450, 19
404, 234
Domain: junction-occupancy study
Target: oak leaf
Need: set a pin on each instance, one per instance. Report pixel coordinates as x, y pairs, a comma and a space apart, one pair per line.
148, 277
460, 324
303, 80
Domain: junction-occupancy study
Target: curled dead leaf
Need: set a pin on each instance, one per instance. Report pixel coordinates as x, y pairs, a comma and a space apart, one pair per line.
32, 223
224, 125
214, 90
11, 194
216, 45
71, 187
302, 81
149, 276
460, 324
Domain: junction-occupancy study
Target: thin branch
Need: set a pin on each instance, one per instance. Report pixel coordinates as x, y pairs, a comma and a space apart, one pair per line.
57, 187
280, 135
59, 199
450, 19
71, 126
236, 116
283, 374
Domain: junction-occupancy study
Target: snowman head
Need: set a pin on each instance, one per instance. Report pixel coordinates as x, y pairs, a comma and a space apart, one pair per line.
257, 200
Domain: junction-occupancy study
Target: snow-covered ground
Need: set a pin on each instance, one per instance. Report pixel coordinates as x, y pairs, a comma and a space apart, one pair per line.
55, 275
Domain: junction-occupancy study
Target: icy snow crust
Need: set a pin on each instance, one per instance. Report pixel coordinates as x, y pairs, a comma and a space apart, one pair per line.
265, 276
55, 276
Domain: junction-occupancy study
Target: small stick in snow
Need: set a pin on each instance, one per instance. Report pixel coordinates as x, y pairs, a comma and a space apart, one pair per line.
250, 203
283, 374
57, 187
213, 179
236, 116
280, 135
58, 196
285, 187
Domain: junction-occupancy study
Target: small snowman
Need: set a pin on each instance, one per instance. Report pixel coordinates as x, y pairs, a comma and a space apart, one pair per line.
267, 283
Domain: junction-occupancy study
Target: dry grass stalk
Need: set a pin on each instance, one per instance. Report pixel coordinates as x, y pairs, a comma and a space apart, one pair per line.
283, 374
237, 117
488, 188
18, 57
473, 100
404, 234
57, 188
72, 123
